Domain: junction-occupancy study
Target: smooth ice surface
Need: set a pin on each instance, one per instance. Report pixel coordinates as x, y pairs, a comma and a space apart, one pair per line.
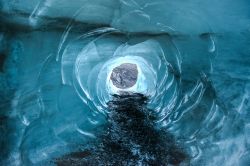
56, 58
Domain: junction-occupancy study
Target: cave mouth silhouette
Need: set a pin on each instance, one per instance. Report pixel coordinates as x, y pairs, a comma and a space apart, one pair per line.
124, 76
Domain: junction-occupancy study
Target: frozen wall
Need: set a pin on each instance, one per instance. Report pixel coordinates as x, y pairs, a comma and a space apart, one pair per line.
43, 116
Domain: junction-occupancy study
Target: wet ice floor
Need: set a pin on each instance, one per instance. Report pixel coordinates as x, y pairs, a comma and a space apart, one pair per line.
193, 64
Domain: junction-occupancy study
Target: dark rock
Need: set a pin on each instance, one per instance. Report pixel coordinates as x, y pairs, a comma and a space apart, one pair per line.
124, 76
130, 139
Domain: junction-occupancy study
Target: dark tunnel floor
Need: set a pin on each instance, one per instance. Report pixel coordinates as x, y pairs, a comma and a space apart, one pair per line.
131, 138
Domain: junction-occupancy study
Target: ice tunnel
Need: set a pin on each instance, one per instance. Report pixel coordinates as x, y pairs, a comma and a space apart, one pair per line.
124, 82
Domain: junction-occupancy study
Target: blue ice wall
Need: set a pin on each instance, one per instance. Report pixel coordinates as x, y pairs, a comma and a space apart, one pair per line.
56, 55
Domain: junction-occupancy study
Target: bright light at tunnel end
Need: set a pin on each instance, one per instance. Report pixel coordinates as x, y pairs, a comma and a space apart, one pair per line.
141, 85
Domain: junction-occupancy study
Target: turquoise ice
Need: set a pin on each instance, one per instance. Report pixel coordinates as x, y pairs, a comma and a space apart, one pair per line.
56, 57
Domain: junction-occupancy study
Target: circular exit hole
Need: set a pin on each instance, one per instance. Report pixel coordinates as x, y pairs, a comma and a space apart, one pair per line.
124, 76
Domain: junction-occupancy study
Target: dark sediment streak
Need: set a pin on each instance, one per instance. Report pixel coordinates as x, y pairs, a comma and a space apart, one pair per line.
131, 138
2, 60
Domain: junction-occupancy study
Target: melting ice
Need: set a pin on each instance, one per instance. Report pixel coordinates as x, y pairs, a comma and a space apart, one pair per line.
56, 60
